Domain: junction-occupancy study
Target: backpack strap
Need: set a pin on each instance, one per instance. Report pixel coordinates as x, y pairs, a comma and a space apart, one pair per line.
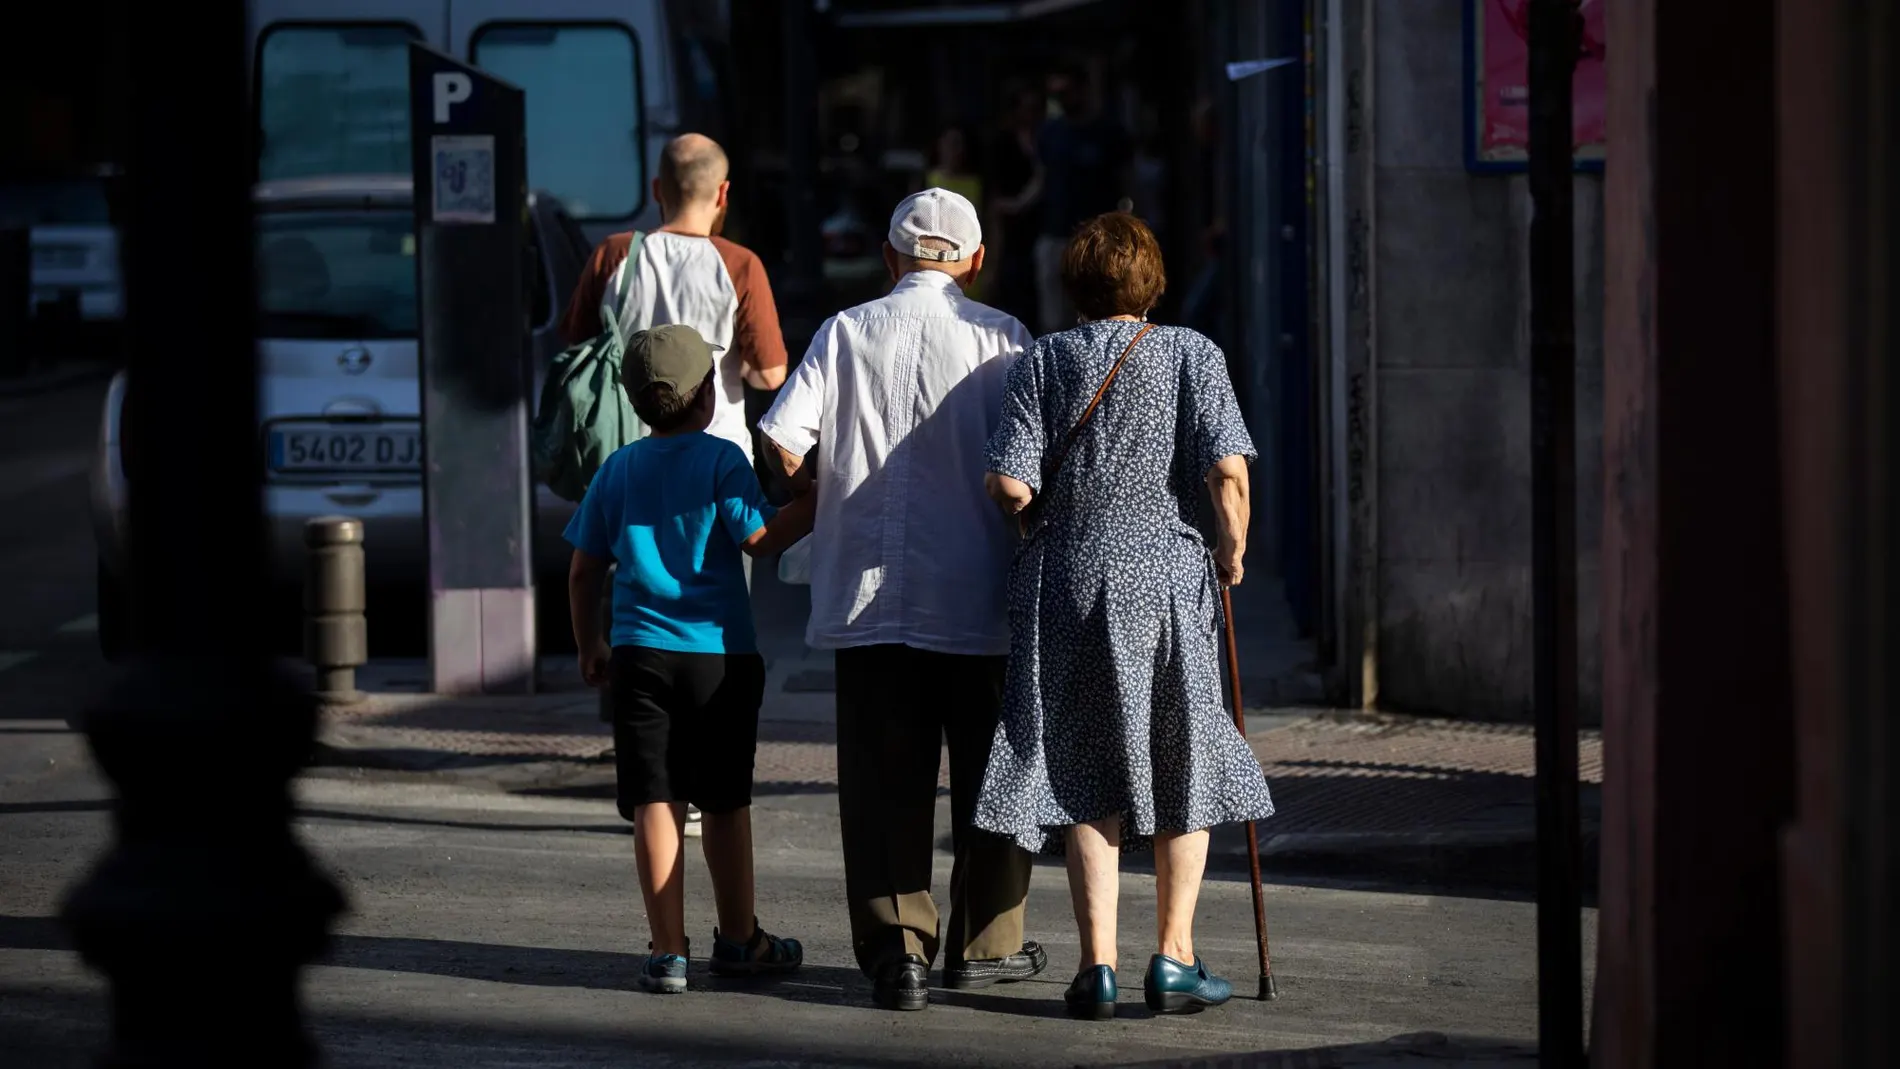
621, 284
1028, 517
611, 319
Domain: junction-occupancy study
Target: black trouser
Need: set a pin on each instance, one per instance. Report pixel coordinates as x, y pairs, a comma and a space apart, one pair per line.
897, 708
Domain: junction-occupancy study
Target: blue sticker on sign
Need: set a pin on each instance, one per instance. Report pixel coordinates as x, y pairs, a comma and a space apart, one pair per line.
464, 178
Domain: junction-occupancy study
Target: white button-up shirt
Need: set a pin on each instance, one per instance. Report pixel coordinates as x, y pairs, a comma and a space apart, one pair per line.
900, 395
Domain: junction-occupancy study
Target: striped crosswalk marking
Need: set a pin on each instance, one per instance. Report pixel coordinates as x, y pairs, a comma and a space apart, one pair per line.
15, 658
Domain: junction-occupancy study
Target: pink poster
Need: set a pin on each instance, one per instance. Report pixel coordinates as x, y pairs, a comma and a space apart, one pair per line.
1501, 49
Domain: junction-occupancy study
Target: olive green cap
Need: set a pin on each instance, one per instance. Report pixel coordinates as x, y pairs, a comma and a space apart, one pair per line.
674, 354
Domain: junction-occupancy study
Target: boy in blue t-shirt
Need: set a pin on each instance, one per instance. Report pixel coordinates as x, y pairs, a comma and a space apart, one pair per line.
674, 511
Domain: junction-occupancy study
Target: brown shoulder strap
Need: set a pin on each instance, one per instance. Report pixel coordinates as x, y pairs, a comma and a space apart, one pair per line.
1055, 463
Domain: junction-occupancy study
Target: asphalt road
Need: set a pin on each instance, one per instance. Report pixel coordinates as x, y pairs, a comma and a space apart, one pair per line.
502, 928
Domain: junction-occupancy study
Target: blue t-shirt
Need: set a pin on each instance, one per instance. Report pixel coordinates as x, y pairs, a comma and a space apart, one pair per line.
671, 512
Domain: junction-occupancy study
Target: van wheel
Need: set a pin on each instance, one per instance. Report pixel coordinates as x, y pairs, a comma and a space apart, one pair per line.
114, 605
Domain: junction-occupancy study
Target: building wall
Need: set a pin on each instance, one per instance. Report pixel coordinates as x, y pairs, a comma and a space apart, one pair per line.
1451, 414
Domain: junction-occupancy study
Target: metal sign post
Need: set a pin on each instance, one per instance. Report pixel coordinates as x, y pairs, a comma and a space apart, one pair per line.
470, 167
1555, 35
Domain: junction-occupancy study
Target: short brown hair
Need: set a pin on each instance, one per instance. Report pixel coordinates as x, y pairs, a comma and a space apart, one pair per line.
691, 168
663, 410
1113, 267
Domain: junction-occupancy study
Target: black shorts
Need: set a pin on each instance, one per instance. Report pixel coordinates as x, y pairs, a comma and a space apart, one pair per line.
686, 726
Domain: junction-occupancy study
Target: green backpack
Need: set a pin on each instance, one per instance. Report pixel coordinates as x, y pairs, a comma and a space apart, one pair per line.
584, 415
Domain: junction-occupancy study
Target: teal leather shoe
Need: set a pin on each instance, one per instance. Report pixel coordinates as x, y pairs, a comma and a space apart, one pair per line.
1176, 988
1091, 995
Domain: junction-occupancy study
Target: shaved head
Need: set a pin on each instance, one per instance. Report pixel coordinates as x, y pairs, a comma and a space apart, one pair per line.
691, 168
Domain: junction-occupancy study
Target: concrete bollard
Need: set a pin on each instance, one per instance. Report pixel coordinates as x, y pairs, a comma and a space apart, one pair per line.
335, 632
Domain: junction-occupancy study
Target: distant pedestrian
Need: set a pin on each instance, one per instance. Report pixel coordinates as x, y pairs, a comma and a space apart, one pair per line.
894, 401
1085, 158
675, 511
1113, 733
1015, 182
951, 170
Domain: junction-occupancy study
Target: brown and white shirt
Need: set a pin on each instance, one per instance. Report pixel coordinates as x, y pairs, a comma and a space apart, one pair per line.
713, 285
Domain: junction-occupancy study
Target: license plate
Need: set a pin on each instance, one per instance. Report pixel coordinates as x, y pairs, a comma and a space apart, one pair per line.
60, 257
330, 448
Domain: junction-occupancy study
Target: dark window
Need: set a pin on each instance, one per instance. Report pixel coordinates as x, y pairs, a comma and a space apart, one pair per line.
333, 99
705, 76
585, 124
707, 64
80, 201
340, 275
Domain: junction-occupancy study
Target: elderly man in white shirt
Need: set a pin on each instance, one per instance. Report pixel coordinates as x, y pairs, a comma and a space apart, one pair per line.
893, 405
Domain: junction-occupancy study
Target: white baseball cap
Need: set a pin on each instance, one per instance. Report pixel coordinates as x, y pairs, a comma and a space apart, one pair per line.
935, 213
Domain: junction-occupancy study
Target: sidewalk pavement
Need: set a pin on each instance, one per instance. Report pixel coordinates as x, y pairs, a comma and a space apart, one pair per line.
1359, 794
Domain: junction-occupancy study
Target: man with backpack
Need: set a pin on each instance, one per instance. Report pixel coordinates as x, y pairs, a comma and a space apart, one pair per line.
685, 273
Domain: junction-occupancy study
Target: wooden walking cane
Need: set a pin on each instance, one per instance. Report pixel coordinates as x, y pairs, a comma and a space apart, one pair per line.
1268, 989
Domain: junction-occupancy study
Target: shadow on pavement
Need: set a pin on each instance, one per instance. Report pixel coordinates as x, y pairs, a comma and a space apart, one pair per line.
604, 790
416, 759
68, 1030
618, 827
84, 805
599, 970
51, 1029
32, 933
1428, 830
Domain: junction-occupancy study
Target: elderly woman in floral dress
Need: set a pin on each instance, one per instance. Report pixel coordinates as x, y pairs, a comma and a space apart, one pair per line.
1113, 734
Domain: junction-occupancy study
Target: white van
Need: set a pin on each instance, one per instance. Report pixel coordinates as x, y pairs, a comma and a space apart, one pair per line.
608, 82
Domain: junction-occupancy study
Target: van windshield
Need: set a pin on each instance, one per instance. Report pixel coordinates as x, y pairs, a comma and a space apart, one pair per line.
585, 134
336, 274
333, 99
54, 203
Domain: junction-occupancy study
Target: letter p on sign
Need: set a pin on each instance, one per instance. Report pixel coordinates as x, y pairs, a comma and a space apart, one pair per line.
451, 88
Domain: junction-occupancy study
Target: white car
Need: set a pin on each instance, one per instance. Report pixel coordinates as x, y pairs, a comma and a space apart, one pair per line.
339, 393
75, 245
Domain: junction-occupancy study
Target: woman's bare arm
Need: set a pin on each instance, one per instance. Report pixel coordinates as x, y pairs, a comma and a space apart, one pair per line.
1011, 495
1227, 482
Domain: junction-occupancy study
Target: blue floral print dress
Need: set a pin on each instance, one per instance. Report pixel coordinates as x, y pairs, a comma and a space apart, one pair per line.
1113, 703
